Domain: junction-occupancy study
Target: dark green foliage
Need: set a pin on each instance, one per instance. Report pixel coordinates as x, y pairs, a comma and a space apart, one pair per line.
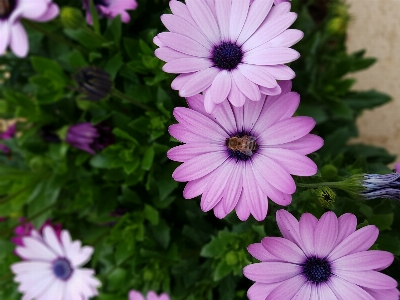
123, 200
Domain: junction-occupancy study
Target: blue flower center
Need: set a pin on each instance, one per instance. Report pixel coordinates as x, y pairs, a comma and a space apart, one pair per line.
62, 268
227, 56
6, 8
241, 146
316, 270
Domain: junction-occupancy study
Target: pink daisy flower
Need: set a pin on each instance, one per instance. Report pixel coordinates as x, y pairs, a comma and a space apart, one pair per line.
236, 157
397, 167
320, 259
228, 49
110, 9
11, 30
52, 268
135, 295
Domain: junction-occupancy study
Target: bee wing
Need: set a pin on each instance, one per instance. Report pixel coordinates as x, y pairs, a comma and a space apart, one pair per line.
248, 152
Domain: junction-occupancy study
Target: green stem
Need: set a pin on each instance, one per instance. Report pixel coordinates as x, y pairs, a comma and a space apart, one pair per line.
51, 35
338, 184
121, 95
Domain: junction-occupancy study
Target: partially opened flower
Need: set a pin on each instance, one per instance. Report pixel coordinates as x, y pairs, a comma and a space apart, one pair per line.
52, 268
90, 138
26, 228
11, 30
110, 9
6, 135
320, 259
227, 49
238, 157
135, 295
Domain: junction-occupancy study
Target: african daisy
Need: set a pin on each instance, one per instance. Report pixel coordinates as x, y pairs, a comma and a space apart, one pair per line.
110, 9
320, 259
236, 157
52, 267
228, 49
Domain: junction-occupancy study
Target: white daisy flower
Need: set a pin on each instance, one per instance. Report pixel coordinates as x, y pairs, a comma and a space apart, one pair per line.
51, 269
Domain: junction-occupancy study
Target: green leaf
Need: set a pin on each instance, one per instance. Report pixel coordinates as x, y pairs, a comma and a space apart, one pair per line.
43, 65
122, 134
76, 59
101, 161
317, 113
151, 214
95, 16
145, 48
162, 233
383, 222
222, 270
368, 99
113, 65
148, 159
341, 110
114, 30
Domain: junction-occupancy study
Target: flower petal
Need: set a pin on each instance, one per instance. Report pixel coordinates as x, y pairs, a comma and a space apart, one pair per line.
199, 124
257, 13
223, 115
19, 40
185, 152
187, 65
205, 20
277, 176
5, 35
220, 87
286, 130
287, 289
364, 260
50, 238
216, 186
289, 226
239, 11
270, 29
196, 187
199, 166
347, 225
325, 234
392, 294
236, 97
258, 251
242, 209
346, 290
259, 291
369, 279
307, 226
233, 189
270, 56
284, 249
52, 11
223, 12
198, 82
167, 54
360, 240
293, 162
271, 272
305, 145
257, 75
248, 88
279, 72
183, 44
181, 26
255, 197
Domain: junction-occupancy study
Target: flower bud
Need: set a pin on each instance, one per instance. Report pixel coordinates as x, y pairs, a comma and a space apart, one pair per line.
326, 196
71, 18
93, 82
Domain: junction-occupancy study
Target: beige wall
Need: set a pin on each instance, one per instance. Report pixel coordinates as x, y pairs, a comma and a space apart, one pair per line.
375, 26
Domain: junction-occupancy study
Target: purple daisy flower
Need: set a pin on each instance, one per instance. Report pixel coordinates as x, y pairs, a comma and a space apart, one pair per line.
228, 49
52, 267
11, 30
110, 9
90, 138
236, 157
26, 228
397, 167
320, 259
135, 295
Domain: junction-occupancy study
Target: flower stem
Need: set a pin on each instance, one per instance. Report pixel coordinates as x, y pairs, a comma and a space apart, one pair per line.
119, 94
338, 184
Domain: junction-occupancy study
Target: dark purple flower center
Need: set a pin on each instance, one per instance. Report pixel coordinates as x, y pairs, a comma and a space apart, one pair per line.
6, 8
227, 56
241, 146
316, 270
62, 268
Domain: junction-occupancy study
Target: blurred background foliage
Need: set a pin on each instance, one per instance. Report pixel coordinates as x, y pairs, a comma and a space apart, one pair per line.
123, 200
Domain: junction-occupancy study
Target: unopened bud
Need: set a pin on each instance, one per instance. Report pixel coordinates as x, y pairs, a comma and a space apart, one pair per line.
72, 18
326, 196
93, 82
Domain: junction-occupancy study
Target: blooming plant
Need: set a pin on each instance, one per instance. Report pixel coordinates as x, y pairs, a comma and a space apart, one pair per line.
107, 147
